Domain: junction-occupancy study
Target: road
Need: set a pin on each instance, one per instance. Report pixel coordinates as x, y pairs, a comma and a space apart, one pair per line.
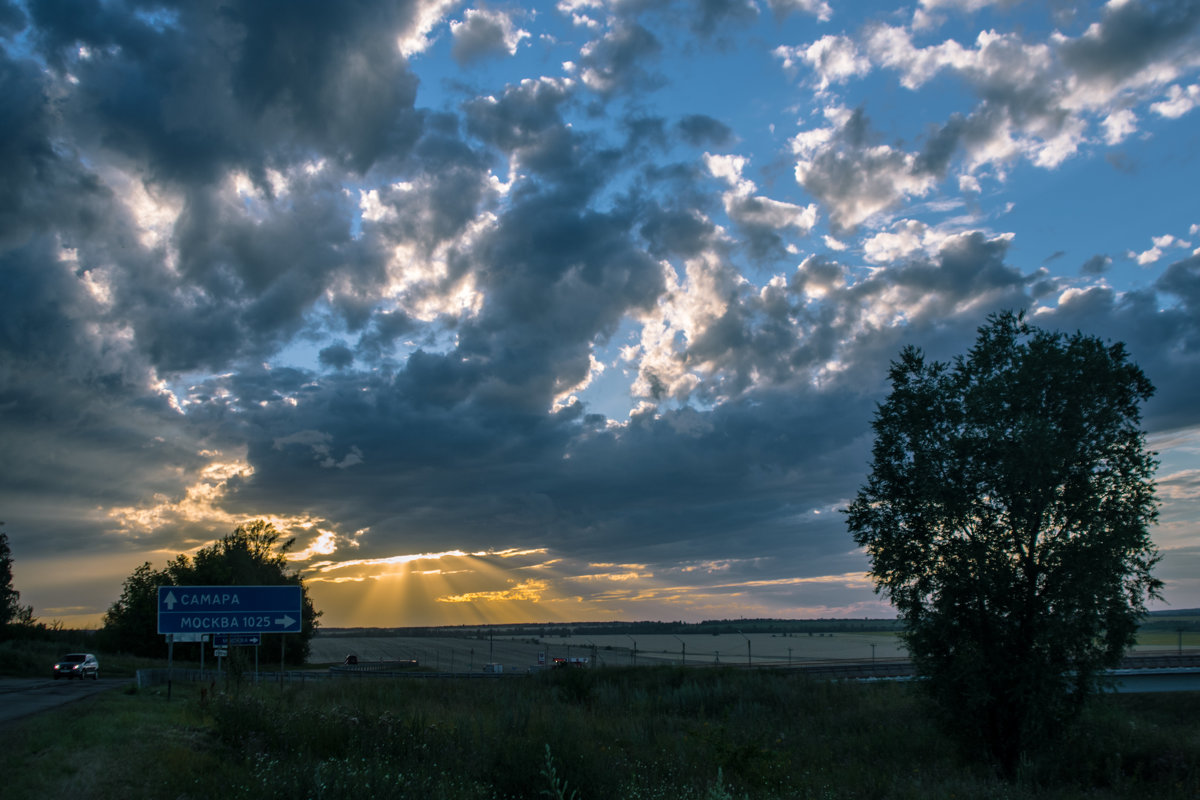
20, 697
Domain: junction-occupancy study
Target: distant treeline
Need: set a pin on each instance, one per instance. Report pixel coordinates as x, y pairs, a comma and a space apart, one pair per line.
1184, 619
1187, 620
545, 630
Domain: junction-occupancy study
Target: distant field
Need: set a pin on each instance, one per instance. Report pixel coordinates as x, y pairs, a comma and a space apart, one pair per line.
450, 654
462, 654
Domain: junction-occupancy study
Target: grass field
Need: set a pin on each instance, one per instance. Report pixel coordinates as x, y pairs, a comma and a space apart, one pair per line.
616, 733
451, 654
463, 654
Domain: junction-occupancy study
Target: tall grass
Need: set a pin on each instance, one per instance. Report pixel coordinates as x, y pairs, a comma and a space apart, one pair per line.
661, 733
617, 734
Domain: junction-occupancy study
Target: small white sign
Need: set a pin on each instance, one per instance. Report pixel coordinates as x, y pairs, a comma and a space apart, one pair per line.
220, 651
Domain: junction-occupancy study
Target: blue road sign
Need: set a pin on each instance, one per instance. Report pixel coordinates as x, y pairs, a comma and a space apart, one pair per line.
236, 640
229, 609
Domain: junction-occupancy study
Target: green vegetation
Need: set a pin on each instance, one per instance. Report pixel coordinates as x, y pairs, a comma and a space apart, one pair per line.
15, 619
709, 734
1007, 519
32, 657
253, 555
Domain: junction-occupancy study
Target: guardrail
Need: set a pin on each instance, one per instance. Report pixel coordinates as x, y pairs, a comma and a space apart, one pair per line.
831, 668
374, 666
160, 676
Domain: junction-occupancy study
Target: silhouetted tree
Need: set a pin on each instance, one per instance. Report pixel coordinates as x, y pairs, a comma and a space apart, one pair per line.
253, 555
1006, 516
13, 615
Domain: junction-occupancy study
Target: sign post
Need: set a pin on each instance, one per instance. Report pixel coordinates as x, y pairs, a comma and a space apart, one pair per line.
229, 609
238, 615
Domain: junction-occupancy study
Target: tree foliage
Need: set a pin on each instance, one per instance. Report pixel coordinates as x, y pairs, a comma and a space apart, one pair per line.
253, 555
1007, 517
13, 615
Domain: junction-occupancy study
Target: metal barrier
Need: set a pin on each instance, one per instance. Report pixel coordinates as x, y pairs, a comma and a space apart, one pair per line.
160, 676
360, 667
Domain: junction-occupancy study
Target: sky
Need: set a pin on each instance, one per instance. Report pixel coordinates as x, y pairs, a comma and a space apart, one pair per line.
577, 311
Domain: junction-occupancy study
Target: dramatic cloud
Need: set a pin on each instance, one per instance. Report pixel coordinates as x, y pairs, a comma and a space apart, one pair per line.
574, 310
484, 33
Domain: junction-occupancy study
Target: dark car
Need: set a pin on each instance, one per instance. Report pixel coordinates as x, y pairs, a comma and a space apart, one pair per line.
77, 665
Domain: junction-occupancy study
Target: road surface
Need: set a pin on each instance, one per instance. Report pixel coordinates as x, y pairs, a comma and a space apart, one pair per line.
20, 697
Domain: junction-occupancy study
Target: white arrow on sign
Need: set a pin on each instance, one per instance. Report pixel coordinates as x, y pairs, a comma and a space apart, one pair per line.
171, 601
285, 622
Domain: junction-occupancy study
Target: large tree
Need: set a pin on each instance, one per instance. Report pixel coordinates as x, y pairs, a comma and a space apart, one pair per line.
253, 555
13, 615
1007, 518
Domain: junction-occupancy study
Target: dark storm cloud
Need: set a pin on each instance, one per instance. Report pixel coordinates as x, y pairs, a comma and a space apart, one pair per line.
784, 8
1096, 265
337, 355
712, 16
700, 130
617, 61
1130, 37
225, 182
1144, 325
443, 455
482, 35
680, 232
186, 95
12, 18
96, 312
1182, 279
474, 474
557, 277
205, 87
526, 122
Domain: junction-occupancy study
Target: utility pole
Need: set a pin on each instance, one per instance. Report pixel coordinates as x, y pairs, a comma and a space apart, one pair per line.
682, 651
747, 638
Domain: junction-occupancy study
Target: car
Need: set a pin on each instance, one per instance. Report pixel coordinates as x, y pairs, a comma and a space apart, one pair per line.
77, 665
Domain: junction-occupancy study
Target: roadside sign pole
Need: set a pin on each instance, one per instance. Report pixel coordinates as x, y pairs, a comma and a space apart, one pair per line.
244, 612
170, 664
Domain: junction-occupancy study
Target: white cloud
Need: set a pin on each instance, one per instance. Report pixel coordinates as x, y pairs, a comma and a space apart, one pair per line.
856, 183
415, 39
746, 208
834, 59
1118, 125
1147, 257
1179, 101
907, 238
582, 12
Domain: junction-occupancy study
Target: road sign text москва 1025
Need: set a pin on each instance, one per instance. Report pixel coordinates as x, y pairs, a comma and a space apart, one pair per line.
229, 609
